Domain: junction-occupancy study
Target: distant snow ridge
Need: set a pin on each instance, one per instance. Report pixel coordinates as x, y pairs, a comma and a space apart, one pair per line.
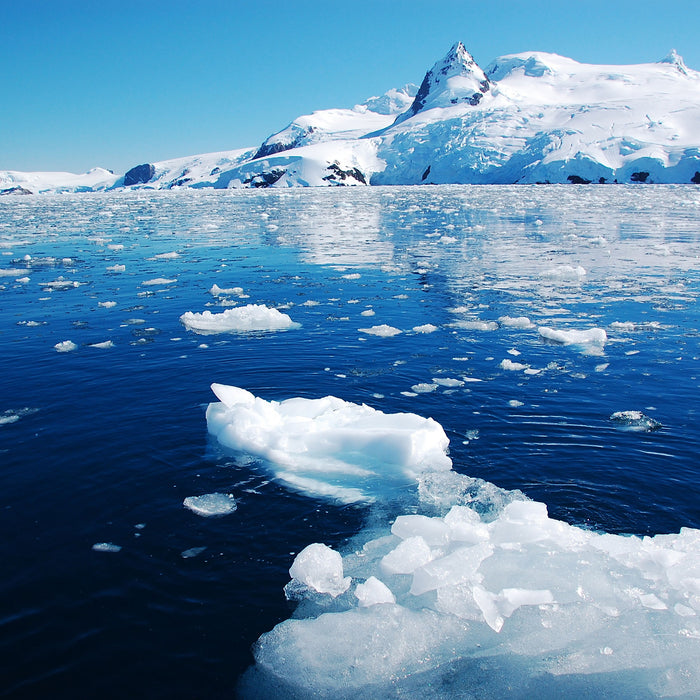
329, 447
532, 117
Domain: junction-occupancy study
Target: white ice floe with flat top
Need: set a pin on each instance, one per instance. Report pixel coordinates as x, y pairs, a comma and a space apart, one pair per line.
592, 336
211, 504
329, 447
252, 317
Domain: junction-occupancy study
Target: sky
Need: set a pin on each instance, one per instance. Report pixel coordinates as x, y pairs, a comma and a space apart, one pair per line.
87, 83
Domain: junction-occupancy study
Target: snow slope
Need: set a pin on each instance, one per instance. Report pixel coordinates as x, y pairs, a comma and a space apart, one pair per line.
528, 118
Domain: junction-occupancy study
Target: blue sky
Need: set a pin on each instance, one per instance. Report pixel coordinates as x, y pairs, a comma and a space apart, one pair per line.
87, 83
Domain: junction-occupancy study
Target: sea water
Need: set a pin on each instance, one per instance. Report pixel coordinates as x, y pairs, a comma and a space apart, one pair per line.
551, 331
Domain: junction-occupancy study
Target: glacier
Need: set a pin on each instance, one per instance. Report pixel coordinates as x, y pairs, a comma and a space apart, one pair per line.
527, 118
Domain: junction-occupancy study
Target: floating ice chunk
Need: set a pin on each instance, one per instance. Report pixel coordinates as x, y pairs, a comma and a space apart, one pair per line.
424, 388
106, 547
352, 276
516, 322
593, 336
62, 284
218, 291
192, 552
367, 312
211, 504
329, 445
514, 403
65, 346
23, 280
383, 331
635, 421
448, 382
453, 569
623, 325
407, 556
320, 568
373, 592
425, 328
565, 272
512, 366
476, 325
107, 304
106, 345
165, 256
116, 268
434, 531
158, 282
252, 317
11, 272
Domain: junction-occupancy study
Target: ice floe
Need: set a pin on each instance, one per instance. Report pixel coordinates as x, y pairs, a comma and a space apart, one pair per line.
492, 592
158, 282
252, 317
211, 504
425, 328
328, 447
65, 346
106, 547
592, 336
383, 331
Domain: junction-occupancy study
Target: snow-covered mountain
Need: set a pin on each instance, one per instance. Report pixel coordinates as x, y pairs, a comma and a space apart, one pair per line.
528, 118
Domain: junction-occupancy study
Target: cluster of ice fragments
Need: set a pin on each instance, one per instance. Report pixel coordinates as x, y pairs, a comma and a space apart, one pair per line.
470, 589
329, 447
251, 317
479, 602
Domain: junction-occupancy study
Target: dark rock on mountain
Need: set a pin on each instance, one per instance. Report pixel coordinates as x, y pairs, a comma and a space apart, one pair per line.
15, 190
139, 175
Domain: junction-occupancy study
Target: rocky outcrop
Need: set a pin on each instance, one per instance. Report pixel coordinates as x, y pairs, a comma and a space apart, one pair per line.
456, 79
15, 190
139, 175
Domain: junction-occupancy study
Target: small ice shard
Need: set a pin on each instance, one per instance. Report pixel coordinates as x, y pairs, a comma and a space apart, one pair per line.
107, 304
367, 312
475, 325
516, 322
512, 366
373, 592
211, 504
383, 331
192, 552
158, 282
218, 291
423, 388
320, 568
407, 556
65, 346
425, 328
116, 268
252, 317
106, 345
634, 421
62, 284
593, 336
106, 547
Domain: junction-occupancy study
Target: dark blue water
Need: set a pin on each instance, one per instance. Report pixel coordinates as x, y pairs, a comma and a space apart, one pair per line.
103, 444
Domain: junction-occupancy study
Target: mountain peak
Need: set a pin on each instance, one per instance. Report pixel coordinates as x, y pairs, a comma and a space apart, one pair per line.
455, 79
675, 59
